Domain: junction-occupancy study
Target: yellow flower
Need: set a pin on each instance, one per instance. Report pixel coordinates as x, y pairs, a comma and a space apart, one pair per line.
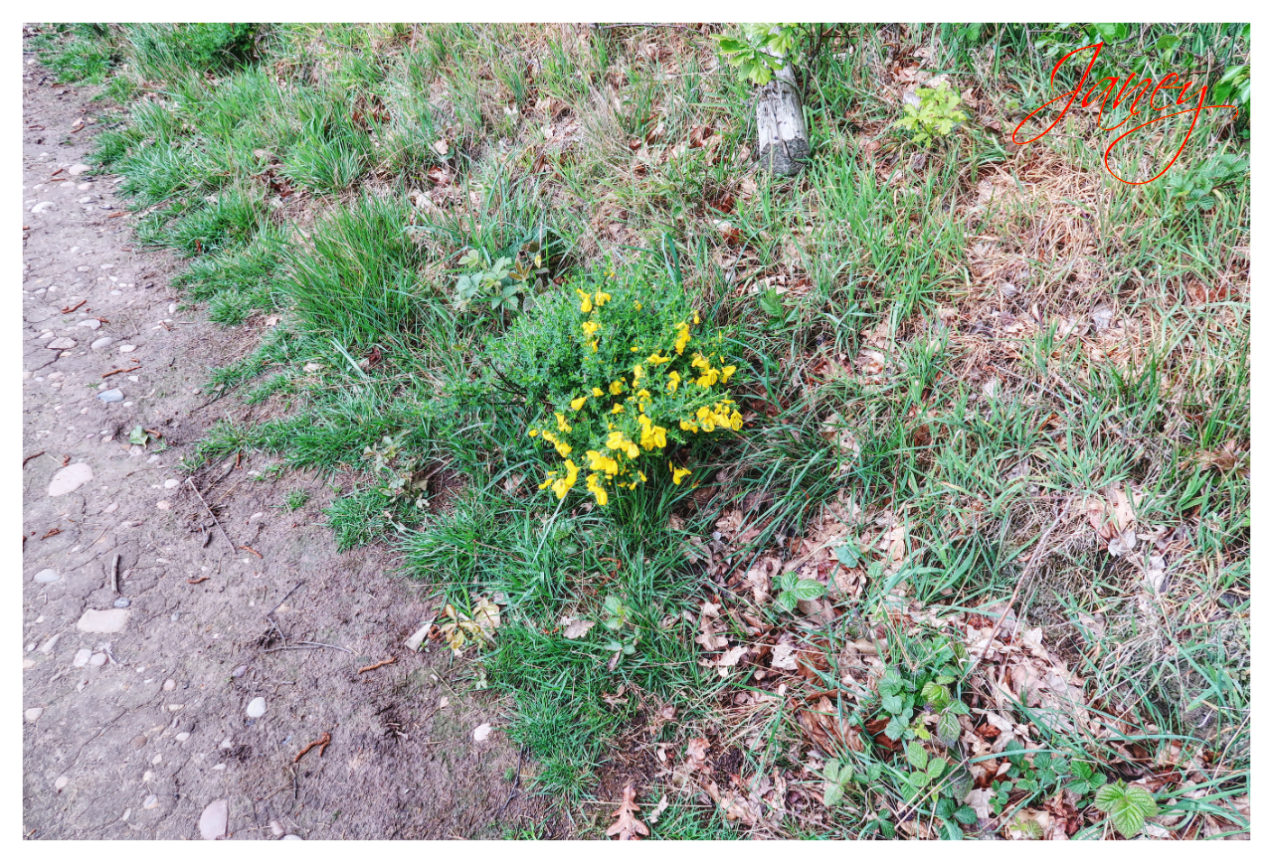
707, 378
563, 485
534, 432
700, 361
617, 409
678, 473
618, 440
736, 421
601, 298
637, 371
689, 426
590, 327
651, 435
673, 381
585, 301
597, 393
601, 462
682, 337
563, 448
597, 489
636, 305
562, 425
643, 394
657, 358
593, 344
726, 372
548, 481
641, 474
576, 404
697, 319
616, 387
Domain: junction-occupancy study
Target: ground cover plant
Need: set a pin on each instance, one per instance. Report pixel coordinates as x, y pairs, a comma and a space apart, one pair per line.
907, 497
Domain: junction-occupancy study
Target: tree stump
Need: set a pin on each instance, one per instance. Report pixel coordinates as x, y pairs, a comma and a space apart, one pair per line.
781, 130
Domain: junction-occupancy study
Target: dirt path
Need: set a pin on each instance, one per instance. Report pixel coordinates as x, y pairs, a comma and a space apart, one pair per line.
148, 654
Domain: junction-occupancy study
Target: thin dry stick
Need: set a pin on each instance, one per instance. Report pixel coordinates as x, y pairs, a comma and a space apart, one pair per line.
1029, 567
228, 541
115, 574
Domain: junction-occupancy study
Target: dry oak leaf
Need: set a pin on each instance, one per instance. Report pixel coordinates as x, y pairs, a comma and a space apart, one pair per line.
575, 628
627, 825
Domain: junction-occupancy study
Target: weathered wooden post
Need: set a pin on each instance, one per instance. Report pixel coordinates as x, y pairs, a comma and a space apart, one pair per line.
781, 130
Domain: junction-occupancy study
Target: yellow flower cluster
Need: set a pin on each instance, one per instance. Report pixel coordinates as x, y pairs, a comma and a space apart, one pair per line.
616, 423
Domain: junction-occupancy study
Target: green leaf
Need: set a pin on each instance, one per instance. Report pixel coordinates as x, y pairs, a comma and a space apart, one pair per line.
1140, 797
948, 728
896, 726
1108, 797
892, 703
937, 766
918, 778
808, 589
848, 555
832, 795
890, 683
917, 755
138, 436
1127, 818
966, 815
786, 600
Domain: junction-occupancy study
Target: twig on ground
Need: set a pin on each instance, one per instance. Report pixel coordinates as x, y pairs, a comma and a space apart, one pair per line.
308, 645
115, 574
228, 541
1025, 571
321, 743
33, 455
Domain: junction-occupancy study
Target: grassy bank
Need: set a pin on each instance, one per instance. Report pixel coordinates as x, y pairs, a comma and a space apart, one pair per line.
977, 545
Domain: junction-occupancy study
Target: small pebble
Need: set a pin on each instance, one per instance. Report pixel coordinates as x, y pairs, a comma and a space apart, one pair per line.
103, 342
256, 707
127, 349
110, 396
81, 657
47, 576
97, 660
122, 602
34, 714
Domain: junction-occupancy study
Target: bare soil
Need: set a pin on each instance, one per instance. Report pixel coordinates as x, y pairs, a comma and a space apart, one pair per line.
157, 619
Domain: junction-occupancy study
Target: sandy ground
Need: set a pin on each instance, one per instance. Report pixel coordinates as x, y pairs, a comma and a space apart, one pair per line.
184, 640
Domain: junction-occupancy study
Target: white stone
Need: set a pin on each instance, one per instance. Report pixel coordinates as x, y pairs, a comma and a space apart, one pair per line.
256, 708
33, 714
47, 576
81, 657
103, 342
215, 820
69, 478
103, 620
42, 206
91, 323
127, 349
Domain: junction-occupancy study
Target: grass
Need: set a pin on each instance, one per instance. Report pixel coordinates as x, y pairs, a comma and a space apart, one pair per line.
980, 383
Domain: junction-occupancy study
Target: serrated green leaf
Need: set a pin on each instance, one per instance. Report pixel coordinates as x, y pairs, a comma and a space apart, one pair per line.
1127, 818
786, 600
848, 555
808, 589
917, 755
892, 703
1140, 797
966, 815
937, 766
1108, 797
832, 794
918, 778
948, 728
895, 728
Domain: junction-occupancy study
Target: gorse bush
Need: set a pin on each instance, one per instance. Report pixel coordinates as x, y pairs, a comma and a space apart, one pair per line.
619, 374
